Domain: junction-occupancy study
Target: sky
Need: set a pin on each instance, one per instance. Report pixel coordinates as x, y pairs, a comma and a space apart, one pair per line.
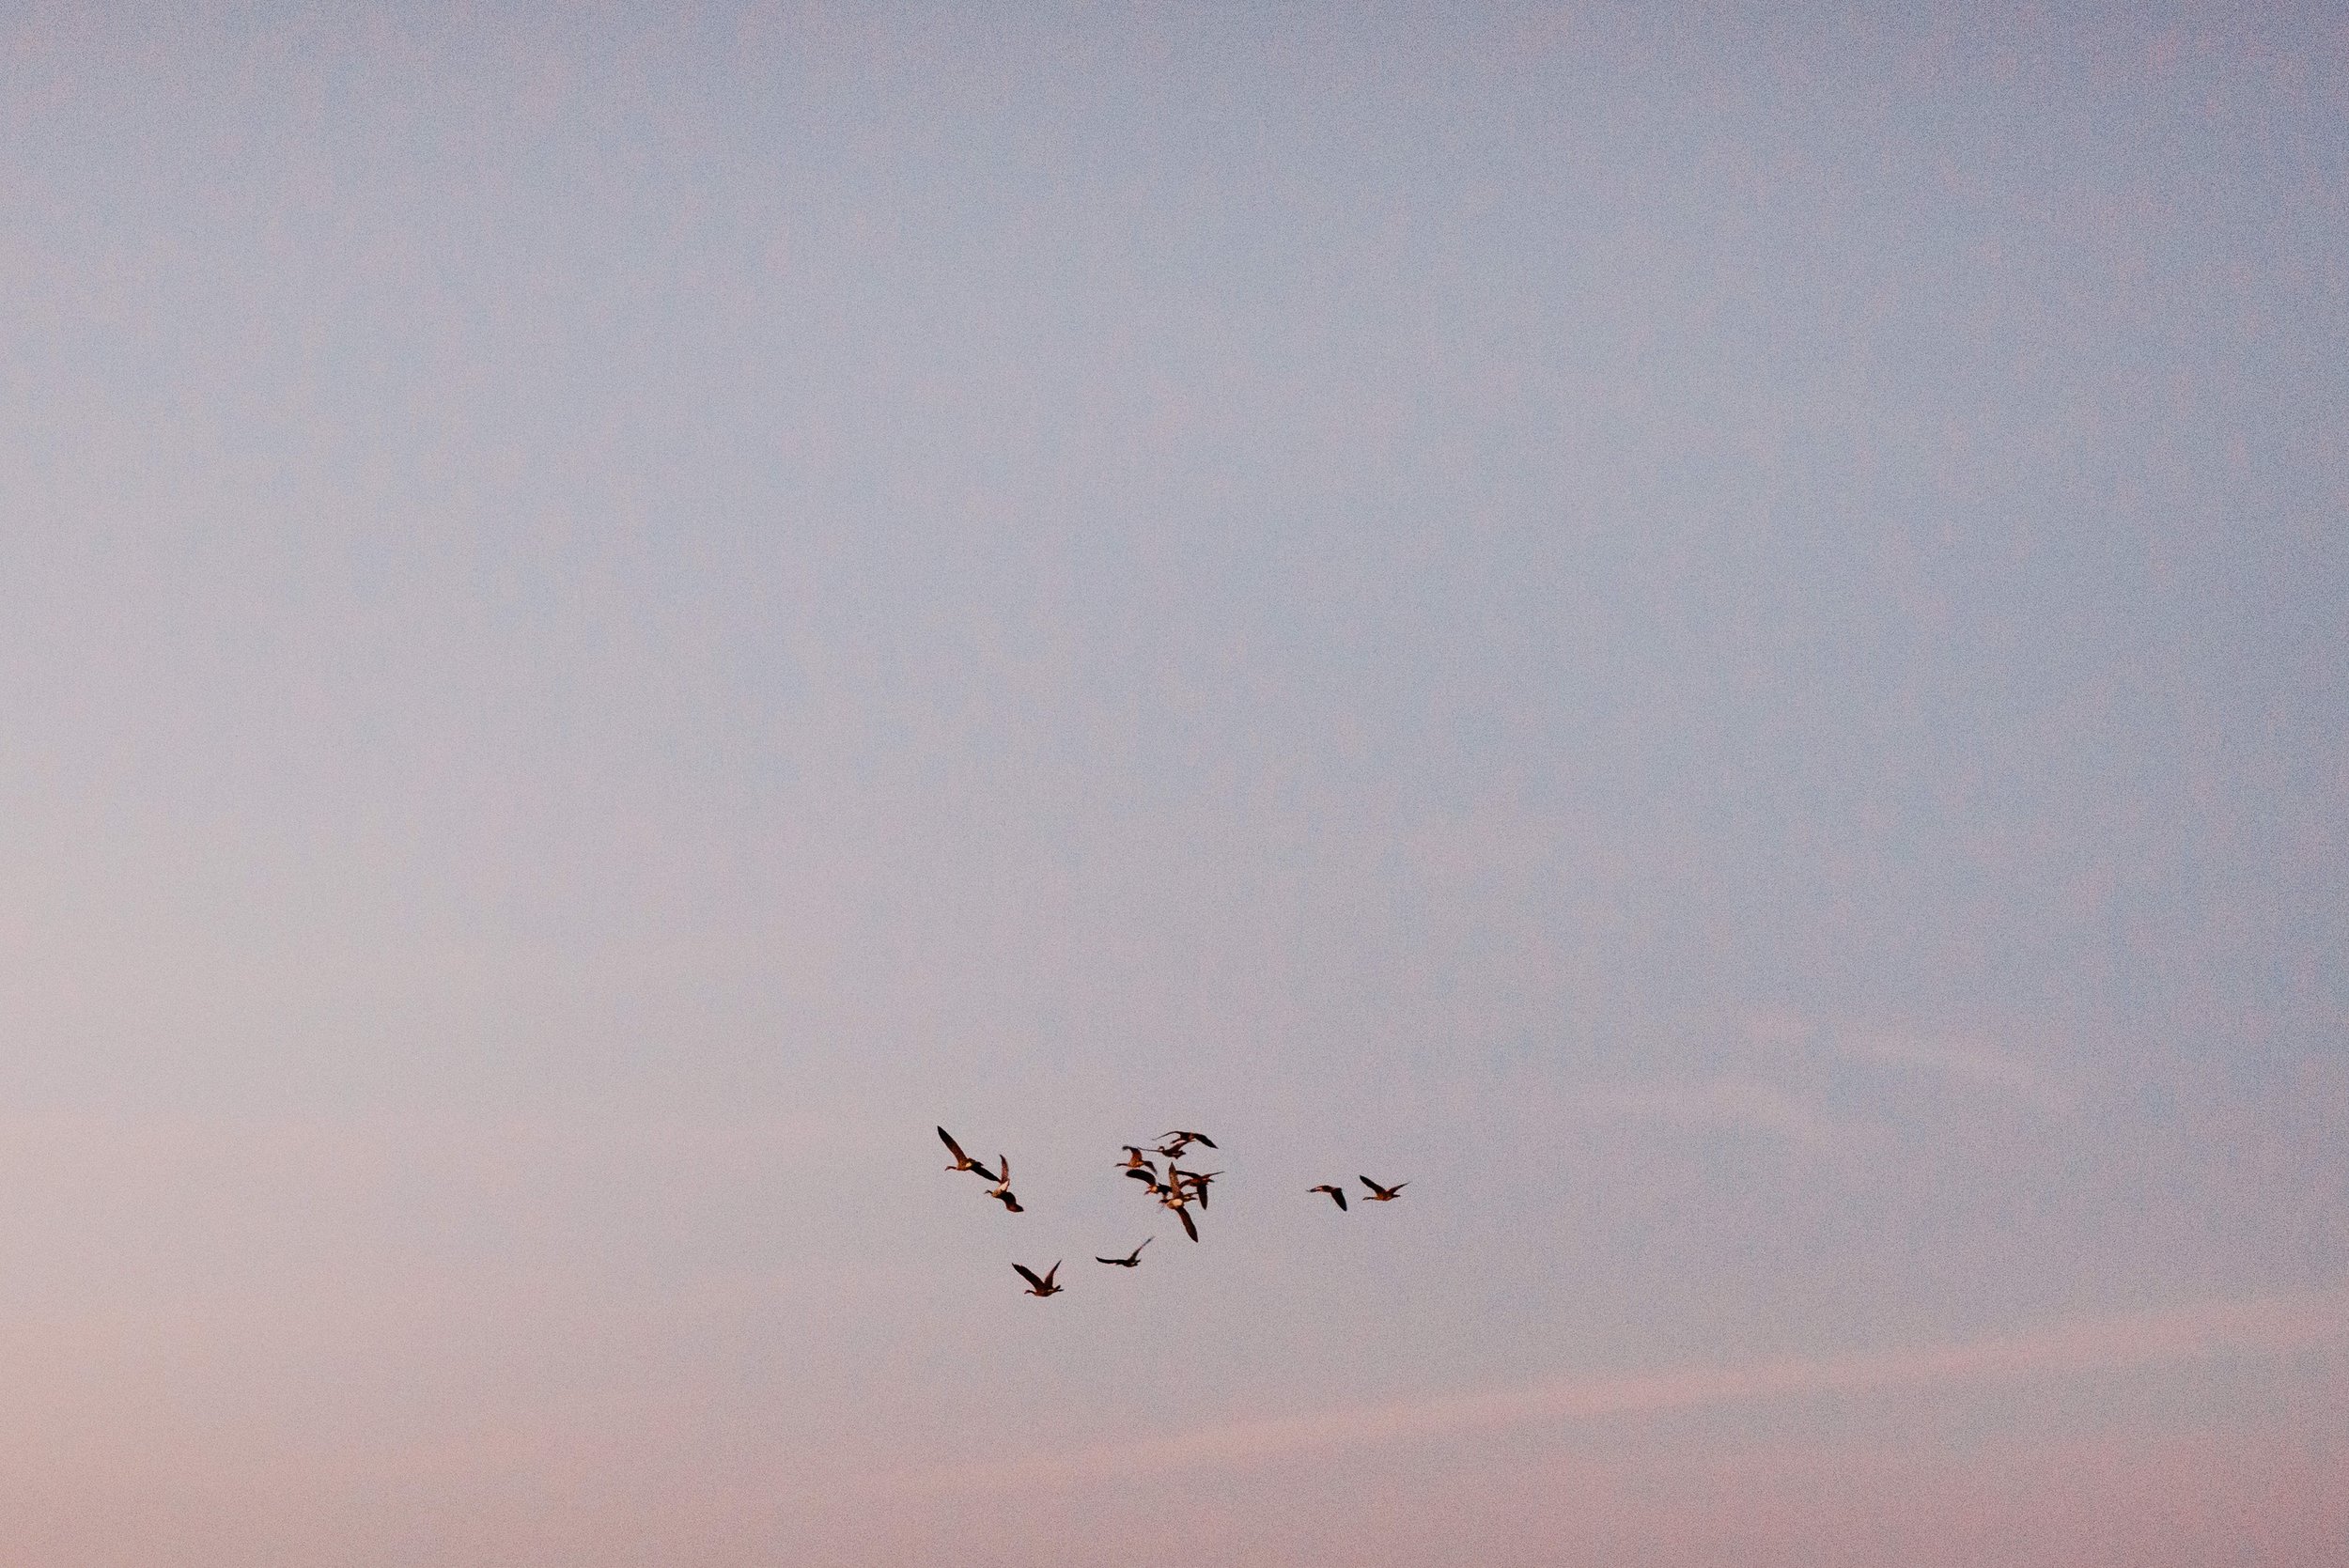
1718, 634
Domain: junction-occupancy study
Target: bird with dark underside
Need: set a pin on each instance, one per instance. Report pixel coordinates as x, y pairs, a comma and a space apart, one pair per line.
1381, 1194
1131, 1260
1036, 1286
1175, 1142
1337, 1194
1195, 1182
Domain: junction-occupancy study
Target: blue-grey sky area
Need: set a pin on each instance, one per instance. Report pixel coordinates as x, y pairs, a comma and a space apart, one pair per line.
1720, 635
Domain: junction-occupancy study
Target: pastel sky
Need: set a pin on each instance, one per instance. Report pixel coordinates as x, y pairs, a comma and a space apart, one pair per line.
1718, 635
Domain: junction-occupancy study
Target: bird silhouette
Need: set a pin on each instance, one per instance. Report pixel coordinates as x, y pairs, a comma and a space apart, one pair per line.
1197, 1182
1036, 1286
1381, 1194
1131, 1260
1175, 1142
1337, 1194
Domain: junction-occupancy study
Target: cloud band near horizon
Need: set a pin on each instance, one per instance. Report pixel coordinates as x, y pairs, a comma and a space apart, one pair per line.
2256, 1326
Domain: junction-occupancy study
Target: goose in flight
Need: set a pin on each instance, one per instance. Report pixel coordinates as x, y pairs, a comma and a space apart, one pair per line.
1131, 1260
1036, 1286
1380, 1194
1175, 1142
1197, 1182
1135, 1159
1001, 1191
1337, 1194
1190, 1136
962, 1161
1182, 1214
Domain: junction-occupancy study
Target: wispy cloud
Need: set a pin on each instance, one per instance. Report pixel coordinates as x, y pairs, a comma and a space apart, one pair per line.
1964, 1058
2254, 1325
1717, 1103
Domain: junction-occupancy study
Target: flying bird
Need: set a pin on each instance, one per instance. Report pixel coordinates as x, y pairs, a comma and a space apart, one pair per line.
1337, 1194
1001, 1192
1135, 1159
1184, 1215
1380, 1194
1197, 1181
1190, 1136
962, 1161
1131, 1260
1036, 1286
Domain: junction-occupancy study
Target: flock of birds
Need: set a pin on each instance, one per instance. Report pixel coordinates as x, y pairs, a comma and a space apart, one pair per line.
1175, 1189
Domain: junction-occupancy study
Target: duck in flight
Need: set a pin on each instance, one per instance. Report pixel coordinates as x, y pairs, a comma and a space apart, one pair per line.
1001, 1191
1380, 1194
1131, 1260
1337, 1194
962, 1161
1043, 1286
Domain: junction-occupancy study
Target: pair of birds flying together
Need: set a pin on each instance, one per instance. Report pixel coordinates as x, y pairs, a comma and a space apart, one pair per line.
1378, 1194
1001, 1191
1046, 1287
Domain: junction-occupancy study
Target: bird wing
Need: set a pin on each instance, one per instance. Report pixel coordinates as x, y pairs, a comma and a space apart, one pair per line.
1005, 1162
953, 1147
1050, 1274
1145, 1241
1184, 1215
1149, 1176
1203, 1137
1028, 1274
1372, 1185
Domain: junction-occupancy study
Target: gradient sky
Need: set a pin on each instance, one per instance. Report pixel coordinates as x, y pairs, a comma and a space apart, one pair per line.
1718, 635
